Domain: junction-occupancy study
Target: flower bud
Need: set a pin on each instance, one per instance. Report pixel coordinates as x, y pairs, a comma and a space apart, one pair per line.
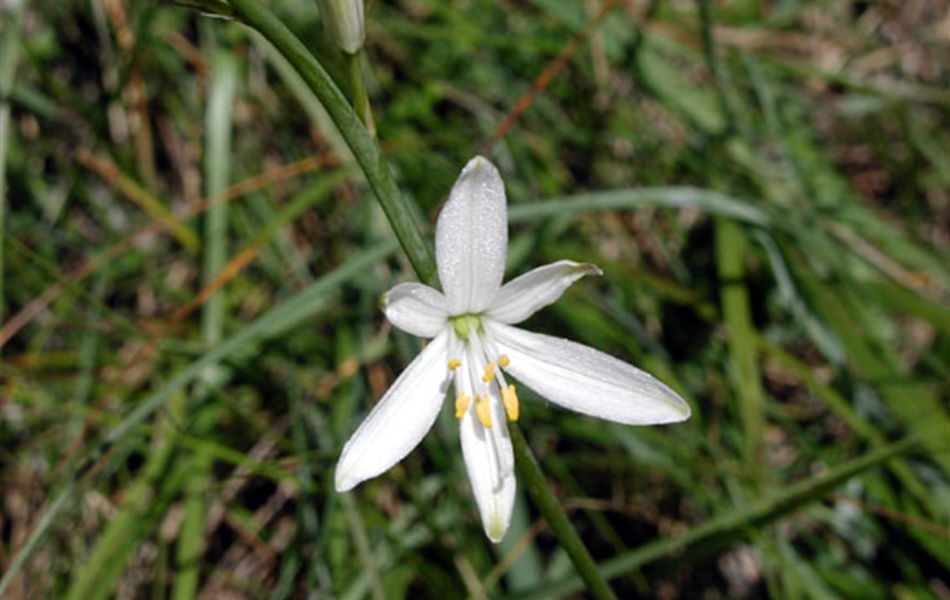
343, 22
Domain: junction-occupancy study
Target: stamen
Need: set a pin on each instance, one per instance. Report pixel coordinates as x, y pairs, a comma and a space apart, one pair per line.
510, 398
503, 361
454, 363
489, 372
483, 410
461, 405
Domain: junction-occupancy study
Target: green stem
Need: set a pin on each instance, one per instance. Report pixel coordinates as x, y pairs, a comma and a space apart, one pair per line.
537, 487
364, 147
354, 66
366, 151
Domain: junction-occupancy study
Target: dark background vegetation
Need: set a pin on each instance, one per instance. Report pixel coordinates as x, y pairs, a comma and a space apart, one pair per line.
766, 185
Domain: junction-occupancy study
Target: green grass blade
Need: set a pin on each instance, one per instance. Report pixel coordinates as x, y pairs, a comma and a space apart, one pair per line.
198, 480
540, 492
364, 147
729, 526
304, 305
861, 426
731, 245
217, 167
912, 402
9, 53
635, 198
65, 498
134, 520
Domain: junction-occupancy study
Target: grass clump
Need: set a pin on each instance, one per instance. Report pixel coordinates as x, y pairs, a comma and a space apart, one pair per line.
192, 261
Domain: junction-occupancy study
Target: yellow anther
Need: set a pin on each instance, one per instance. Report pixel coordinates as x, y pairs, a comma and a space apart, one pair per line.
510, 399
483, 410
461, 405
503, 361
454, 363
489, 372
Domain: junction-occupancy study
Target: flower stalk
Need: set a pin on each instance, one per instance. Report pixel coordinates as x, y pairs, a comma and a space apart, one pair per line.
537, 487
354, 68
367, 152
364, 147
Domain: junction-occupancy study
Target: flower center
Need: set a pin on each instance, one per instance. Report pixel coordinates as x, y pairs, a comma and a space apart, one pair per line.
479, 380
464, 324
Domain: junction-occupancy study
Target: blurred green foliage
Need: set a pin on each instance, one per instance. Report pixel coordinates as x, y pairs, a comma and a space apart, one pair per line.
765, 184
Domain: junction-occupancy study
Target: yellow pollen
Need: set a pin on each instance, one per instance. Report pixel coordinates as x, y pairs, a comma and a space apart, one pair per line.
510, 398
503, 361
454, 363
489, 372
461, 405
483, 410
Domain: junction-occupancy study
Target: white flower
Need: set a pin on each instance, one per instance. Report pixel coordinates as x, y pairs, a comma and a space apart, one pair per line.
474, 347
343, 22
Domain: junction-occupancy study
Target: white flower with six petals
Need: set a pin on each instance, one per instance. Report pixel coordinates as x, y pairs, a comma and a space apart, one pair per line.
474, 346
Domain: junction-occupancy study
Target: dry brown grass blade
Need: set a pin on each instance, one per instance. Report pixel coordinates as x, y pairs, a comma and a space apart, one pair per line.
90, 266
234, 266
546, 76
144, 199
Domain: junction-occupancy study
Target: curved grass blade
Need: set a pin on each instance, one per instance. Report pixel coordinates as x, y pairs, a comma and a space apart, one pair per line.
364, 147
631, 198
730, 526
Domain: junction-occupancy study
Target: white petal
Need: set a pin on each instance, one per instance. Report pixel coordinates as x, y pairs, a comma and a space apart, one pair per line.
416, 308
471, 238
587, 380
522, 297
397, 424
490, 465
